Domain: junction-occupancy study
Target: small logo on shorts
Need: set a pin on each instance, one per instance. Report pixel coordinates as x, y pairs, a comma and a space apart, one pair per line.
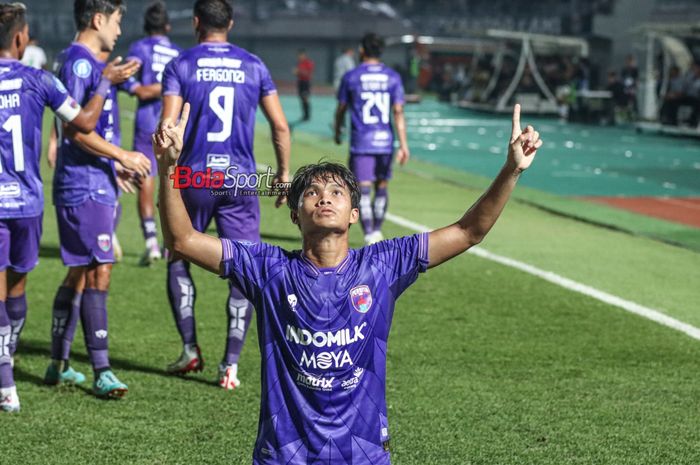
101, 333
104, 242
361, 298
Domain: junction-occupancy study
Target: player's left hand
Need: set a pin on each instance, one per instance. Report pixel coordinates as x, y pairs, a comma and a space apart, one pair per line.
523, 144
118, 72
402, 155
127, 180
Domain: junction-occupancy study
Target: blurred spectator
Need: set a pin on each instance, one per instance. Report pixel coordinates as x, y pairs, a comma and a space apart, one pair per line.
673, 97
304, 72
620, 98
34, 55
630, 78
344, 63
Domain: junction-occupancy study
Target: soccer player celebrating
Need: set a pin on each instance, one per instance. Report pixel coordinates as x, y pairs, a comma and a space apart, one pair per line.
24, 94
85, 195
209, 76
153, 52
324, 312
372, 91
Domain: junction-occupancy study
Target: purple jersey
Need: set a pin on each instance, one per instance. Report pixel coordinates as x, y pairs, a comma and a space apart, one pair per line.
370, 91
323, 340
80, 175
223, 84
154, 52
24, 92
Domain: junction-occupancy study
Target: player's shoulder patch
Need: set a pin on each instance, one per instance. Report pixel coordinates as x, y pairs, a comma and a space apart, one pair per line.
82, 68
58, 84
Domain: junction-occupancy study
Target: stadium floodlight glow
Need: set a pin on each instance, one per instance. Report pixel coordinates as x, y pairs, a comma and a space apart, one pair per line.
426, 40
407, 39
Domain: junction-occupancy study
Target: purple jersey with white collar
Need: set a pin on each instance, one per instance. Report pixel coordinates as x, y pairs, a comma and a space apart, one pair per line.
323, 340
223, 84
24, 92
154, 52
80, 175
370, 91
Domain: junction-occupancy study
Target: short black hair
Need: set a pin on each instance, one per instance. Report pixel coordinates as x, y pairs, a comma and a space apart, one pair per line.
13, 17
372, 45
326, 171
155, 19
214, 15
85, 10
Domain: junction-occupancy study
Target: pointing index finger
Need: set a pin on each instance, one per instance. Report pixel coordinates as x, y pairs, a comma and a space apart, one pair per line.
516, 122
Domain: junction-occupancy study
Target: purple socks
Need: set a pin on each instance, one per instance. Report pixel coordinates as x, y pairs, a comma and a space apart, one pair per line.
239, 312
182, 294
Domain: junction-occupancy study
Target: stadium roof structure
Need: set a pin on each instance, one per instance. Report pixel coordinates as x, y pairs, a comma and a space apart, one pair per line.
531, 46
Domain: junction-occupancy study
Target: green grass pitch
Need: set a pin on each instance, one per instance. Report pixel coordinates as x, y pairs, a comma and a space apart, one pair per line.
487, 365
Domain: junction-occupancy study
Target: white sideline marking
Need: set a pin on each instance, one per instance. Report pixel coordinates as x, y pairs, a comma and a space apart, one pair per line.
627, 305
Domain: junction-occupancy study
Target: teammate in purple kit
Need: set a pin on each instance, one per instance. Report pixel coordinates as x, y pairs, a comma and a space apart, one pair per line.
153, 52
224, 84
373, 92
85, 195
24, 92
324, 312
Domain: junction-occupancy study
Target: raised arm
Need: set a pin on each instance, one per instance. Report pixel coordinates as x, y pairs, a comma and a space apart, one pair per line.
471, 229
180, 237
96, 145
403, 154
281, 142
147, 92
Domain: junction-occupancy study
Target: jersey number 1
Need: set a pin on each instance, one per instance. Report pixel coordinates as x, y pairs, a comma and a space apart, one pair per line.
223, 112
14, 125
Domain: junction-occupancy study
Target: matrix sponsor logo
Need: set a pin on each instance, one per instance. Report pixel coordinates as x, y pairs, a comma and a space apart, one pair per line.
316, 383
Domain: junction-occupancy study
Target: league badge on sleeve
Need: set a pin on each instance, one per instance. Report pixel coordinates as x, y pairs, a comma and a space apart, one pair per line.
82, 68
361, 298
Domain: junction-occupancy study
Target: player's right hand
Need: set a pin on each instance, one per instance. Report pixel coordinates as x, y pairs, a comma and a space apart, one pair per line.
338, 137
118, 73
136, 162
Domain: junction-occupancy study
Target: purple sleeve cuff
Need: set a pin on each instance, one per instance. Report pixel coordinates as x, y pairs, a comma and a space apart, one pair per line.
226, 256
423, 258
103, 87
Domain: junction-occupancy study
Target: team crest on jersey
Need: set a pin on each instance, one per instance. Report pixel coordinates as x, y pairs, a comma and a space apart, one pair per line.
82, 68
104, 242
292, 300
361, 298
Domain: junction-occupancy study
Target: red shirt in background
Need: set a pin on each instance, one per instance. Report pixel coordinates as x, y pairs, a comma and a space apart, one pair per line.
305, 69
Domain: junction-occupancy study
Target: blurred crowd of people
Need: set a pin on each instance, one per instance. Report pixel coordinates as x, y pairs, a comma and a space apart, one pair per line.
681, 102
